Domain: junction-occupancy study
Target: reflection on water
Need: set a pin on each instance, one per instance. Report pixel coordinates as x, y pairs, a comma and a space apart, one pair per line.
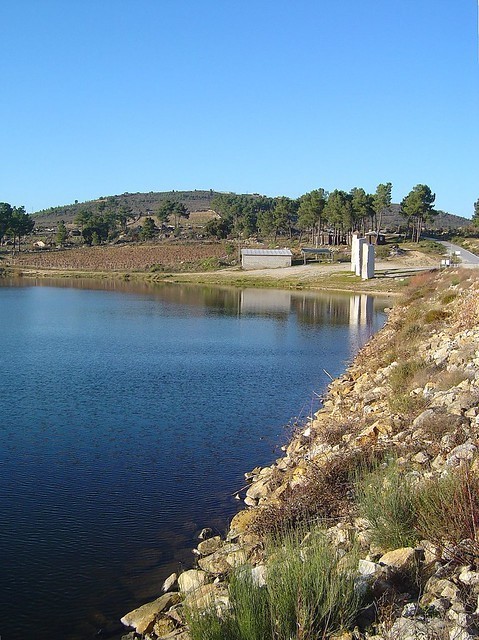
308, 306
131, 413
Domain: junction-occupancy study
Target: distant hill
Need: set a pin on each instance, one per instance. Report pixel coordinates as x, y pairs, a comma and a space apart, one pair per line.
138, 203
142, 204
443, 220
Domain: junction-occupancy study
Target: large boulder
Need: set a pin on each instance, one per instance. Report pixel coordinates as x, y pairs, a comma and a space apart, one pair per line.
191, 580
403, 560
143, 618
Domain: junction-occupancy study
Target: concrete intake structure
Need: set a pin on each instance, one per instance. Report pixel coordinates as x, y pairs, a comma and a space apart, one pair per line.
362, 257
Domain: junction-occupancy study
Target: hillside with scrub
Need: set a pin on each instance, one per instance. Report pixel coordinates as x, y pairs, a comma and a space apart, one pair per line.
366, 527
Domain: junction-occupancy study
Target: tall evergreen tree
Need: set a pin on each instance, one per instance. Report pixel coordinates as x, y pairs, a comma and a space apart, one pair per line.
381, 202
417, 206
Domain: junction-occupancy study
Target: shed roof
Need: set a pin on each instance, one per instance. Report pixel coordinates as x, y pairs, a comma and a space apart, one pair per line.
266, 252
315, 250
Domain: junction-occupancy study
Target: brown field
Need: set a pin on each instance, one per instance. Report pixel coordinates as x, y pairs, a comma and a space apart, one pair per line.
145, 257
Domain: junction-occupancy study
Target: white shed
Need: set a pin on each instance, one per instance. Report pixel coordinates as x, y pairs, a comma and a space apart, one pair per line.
265, 258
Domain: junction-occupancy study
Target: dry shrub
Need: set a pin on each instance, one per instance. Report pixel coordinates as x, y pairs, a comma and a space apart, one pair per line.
448, 514
448, 297
448, 379
441, 423
326, 494
420, 286
407, 405
435, 315
466, 315
333, 434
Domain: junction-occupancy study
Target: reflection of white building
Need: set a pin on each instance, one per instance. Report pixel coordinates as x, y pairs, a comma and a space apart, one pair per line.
360, 310
265, 301
265, 258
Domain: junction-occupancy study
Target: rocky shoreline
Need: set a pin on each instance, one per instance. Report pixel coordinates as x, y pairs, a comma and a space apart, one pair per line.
412, 396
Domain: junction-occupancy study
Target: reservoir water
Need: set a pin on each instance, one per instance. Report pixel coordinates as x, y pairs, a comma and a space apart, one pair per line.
128, 418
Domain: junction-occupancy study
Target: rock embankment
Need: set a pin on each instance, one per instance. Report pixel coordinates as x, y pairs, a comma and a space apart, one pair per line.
409, 401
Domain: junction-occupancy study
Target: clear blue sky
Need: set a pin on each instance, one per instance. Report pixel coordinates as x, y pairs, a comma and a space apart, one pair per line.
278, 97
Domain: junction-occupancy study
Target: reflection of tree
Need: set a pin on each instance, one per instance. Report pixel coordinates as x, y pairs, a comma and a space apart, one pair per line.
322, 308
309, 308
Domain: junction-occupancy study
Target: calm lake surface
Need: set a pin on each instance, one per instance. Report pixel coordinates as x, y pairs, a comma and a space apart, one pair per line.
129, 416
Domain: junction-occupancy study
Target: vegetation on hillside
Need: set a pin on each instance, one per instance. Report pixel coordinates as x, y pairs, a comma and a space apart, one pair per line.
309, 216
14, 223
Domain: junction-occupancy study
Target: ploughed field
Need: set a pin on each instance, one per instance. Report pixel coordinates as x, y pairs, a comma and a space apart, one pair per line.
141, 257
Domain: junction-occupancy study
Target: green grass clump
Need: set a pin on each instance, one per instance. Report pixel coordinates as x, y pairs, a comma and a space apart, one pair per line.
444, 510
448, 297
404, 374
386, 500
311, 588
251, 607
309, 593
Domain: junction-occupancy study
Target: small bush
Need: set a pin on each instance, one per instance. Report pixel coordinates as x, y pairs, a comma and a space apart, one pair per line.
251, 606
447, 298
310, 593
207, 625
406, 404
448, 514
435, 315
325, 494
402, 376
311, 587
386, 500
382, 251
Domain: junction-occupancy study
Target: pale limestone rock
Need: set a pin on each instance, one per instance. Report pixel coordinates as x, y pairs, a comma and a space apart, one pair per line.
423, 418
165, 628
169, 582
258, 575
205, 597
443, 588
368, 569
258, 489
412, 629
237, 558
468, 576
421, 457
215, 564
240, 523
462, 453
143, 618
210, 546
191, 580
458, 633
403, 559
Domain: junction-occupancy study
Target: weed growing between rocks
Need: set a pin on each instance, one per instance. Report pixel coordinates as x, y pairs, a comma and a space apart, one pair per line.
447, 510
307, 591
442, 509
386, 499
